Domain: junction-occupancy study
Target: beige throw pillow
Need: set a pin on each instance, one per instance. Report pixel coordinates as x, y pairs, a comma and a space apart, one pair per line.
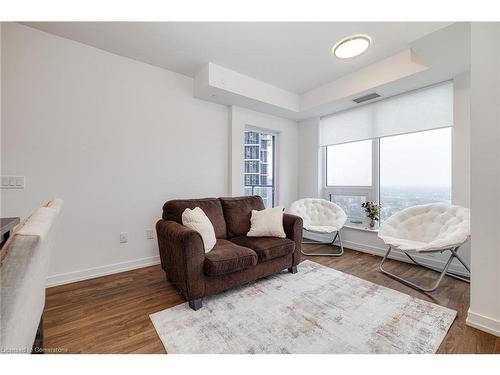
197, 220
267, 223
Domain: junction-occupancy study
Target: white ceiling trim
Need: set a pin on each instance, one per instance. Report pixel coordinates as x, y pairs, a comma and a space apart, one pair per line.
224, 86
435, 58
367, 79
214, 80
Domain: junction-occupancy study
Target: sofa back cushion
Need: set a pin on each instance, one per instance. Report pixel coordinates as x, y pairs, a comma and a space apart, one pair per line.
172, 210
237, 212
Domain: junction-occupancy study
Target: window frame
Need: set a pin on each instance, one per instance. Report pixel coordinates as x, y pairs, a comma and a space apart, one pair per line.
372, 193
274, 161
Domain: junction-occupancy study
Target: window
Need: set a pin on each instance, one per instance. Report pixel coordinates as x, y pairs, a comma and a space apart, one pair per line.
259, 166
415, 169
351, 205
398, 171
350, 176
396, 151
349, 164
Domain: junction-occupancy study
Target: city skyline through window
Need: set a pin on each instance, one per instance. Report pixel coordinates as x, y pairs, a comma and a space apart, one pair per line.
409, 169
415, 169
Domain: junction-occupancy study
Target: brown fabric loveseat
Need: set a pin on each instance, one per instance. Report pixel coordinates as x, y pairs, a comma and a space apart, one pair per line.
235, 260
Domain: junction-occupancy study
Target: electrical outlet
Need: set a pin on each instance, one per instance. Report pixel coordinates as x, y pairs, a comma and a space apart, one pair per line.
123, 237
150, 234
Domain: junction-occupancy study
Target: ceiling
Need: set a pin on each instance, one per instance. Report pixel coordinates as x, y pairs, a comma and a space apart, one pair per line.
294, 56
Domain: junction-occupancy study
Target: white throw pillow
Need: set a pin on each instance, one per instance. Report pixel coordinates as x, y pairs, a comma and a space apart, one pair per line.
197, 220
267, 223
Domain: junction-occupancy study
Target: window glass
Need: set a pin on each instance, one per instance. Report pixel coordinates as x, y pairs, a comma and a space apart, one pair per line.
349, 164
351, 204
415, 169
259, 166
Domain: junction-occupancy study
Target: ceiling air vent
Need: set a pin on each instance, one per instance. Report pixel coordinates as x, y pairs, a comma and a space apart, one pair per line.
365, 98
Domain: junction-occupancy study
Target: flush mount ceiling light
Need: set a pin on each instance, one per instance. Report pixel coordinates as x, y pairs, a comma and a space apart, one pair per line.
351, 46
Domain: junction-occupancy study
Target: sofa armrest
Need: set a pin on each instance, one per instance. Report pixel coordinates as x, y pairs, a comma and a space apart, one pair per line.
182, 257
293, 229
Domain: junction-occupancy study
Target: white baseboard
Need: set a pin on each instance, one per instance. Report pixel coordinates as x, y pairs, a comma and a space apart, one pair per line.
483, 323
91, 273
396, 255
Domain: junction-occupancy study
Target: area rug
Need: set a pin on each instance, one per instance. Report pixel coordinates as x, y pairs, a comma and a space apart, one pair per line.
317, 310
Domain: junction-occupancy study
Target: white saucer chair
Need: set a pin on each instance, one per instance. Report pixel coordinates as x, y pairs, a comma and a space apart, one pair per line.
429, 228
323, 217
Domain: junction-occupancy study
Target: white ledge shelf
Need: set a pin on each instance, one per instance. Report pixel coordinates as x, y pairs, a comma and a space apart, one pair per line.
363, 227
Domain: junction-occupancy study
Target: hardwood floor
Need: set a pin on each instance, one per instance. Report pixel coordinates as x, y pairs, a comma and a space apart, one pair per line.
110, 314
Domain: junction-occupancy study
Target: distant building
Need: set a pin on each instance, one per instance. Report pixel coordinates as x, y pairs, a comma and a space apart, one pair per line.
393, 199
259, 179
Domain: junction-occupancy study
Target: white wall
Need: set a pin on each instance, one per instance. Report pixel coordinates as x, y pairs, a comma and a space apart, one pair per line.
116, 138
368, 241
1, 89
310, 179
286, 152
461, 140
113, 137
484, 312
461, 152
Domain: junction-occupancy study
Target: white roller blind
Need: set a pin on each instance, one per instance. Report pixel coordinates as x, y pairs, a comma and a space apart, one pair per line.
428, 108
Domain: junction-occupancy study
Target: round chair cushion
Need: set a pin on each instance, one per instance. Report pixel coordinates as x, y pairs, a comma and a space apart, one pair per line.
319, 215
429, 227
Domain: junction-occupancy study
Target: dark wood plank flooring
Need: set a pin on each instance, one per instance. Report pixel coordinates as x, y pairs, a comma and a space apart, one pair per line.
110, 314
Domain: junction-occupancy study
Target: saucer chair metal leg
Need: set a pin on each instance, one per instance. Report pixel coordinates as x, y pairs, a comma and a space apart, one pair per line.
337, 235
442, 272
448, 273
340, 243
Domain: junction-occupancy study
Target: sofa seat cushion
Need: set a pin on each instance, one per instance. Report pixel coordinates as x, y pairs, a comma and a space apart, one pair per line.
267, 248
227, 257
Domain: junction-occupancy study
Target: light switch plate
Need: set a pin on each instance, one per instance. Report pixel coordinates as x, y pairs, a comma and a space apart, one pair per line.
123, 237
13, 182
150, 234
